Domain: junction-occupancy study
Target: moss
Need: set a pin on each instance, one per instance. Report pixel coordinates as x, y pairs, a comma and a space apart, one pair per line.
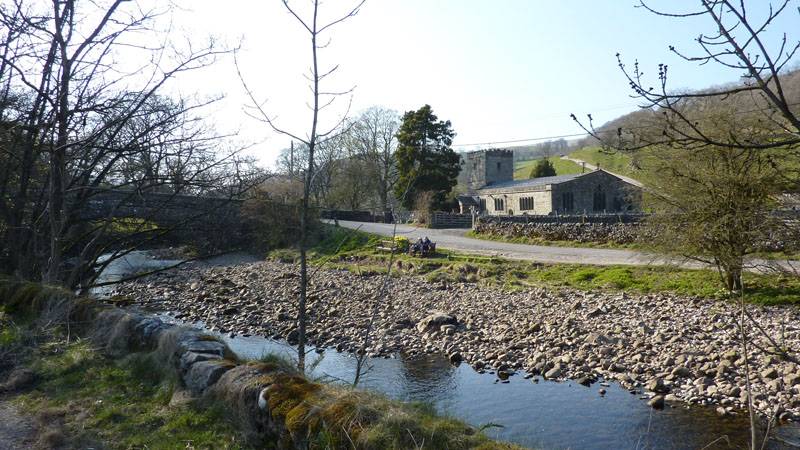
297, 418
224, 362
264, 367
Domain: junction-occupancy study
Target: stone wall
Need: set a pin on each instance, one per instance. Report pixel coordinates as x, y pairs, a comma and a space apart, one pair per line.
610, 229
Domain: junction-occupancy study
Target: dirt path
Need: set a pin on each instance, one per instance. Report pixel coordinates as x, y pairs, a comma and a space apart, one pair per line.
16, 431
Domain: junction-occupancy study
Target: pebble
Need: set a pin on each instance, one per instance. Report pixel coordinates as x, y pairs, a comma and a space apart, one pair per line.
689, 343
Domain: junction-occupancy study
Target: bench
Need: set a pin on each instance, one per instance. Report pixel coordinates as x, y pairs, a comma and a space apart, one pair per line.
431, 251
388, 245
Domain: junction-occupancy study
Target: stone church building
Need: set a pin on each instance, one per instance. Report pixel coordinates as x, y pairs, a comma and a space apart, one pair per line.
493, 190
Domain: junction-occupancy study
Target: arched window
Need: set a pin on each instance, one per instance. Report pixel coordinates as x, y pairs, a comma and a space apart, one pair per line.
599, 198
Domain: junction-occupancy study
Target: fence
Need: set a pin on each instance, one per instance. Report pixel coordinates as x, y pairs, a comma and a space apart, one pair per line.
447, 220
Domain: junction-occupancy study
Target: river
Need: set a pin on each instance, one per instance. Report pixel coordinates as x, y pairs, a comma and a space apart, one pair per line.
530, 412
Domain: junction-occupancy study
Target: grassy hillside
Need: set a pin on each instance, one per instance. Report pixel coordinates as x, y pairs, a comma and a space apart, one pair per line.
621, 163
522, 170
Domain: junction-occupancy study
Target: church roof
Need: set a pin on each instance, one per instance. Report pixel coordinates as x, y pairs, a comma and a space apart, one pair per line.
534, 181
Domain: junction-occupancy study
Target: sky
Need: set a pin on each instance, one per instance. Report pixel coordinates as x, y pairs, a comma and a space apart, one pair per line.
504, 72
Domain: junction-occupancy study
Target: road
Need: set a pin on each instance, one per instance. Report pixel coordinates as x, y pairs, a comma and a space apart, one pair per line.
455, 239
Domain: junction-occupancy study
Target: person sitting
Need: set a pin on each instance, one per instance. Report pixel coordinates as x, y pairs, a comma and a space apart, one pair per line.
417, 247
426, 246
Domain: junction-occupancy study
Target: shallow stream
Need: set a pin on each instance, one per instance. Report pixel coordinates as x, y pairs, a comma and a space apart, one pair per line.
541, 414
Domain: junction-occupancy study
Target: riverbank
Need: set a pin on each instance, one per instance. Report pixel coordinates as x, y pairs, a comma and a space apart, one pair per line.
681, 347
85, 375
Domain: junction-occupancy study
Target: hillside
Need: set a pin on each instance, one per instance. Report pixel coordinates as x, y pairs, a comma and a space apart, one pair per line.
522, 169
635, 164
700, 109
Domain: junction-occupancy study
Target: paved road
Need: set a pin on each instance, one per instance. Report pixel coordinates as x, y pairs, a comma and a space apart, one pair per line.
455, 239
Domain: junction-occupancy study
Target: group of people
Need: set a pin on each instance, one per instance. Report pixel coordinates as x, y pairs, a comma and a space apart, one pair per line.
421, 246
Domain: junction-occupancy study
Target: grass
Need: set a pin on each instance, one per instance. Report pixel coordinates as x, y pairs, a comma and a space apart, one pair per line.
522, 169
619, 162
85, 399
81, 398
519, 275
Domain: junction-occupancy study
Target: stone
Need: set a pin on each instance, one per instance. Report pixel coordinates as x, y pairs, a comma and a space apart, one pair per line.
190, 358
583, 381
555, 372
657, 385
435, 320
775, 385
597, 338
656, 402
204, 374
792, 379
195, 344
681, 371
595, 312
455, 358
770, 373
181, 398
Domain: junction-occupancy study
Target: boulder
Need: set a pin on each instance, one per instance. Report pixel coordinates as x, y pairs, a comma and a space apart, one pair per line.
435, 320
597, 338
657, 385
555, 372
769, 374
657, 402
681, 371
205, 373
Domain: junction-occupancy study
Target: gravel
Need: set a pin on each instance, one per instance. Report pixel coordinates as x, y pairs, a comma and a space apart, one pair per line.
686, 347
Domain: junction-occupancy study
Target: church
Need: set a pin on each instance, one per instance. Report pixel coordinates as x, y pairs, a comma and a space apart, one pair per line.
493, 190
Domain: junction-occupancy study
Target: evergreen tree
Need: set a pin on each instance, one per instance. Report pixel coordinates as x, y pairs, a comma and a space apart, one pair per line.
543, 168
425, 161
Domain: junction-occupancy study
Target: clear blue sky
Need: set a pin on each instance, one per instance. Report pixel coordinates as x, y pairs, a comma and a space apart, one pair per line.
498, 70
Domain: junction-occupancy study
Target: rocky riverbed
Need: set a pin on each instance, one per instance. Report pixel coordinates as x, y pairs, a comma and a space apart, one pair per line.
672, 348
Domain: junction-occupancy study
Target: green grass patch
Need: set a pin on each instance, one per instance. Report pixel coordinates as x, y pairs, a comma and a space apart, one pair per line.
101, 403
638, 164
522, 169
346, 241
519, 275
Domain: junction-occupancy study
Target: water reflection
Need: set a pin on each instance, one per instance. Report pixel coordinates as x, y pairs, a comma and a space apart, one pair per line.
544, 414
427, 378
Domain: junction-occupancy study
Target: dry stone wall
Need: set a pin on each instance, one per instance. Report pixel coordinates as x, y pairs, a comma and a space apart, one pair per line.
617, 232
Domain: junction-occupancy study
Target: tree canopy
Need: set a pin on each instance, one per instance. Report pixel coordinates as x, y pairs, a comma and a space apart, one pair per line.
543, 168
425, 161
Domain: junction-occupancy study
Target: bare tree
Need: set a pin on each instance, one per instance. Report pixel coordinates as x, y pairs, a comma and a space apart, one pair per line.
320, 100
81, 115
373, 137
738, 42
726, 154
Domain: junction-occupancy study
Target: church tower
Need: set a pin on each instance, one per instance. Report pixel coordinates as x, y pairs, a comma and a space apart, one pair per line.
485, 167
